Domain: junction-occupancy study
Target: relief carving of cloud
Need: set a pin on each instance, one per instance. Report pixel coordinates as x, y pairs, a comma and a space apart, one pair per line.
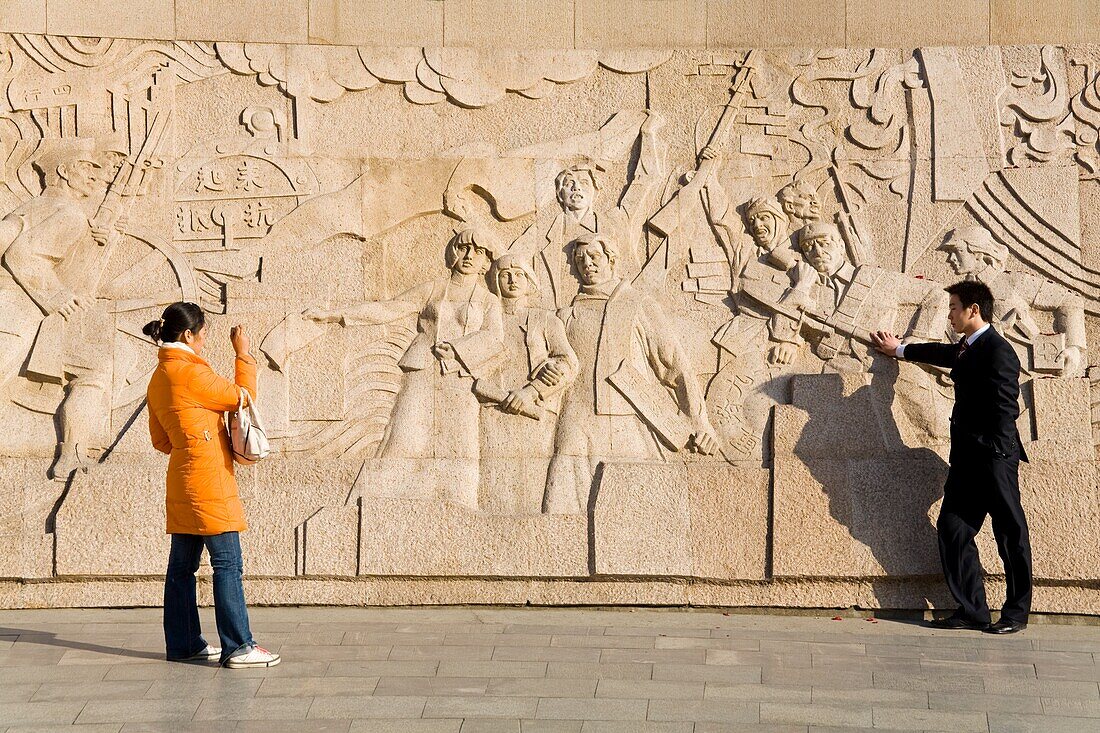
465, 77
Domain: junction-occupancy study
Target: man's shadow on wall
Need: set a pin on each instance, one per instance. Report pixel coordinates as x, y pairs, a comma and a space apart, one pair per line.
876, 486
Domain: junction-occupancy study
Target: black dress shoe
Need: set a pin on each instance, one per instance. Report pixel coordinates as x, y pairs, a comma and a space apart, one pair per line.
958, 623
1005, 626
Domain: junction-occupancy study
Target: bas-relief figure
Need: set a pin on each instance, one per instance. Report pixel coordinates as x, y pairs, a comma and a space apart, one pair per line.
635, 382
55, 330
459, 334
1019, 297
583, 342
577, 192
523, 395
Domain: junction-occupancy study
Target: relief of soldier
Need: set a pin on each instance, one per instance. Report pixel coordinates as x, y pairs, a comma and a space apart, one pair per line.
55, 330
1055, 346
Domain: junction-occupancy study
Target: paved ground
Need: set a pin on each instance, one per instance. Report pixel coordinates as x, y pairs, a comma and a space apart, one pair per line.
462, 670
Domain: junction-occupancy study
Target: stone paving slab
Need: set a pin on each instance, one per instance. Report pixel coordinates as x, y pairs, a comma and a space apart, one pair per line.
490, 670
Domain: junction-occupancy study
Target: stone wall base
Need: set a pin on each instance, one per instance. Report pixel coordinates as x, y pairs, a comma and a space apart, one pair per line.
893, 593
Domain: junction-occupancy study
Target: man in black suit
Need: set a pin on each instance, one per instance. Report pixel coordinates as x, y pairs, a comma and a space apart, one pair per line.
985, 460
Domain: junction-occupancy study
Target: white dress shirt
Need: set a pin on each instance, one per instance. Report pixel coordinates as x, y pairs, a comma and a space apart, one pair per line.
900, 353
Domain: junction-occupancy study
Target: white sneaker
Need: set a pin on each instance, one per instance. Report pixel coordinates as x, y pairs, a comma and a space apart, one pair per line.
257, 656
208, 654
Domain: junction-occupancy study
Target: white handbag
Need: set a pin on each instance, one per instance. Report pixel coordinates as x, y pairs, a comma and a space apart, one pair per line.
247, 438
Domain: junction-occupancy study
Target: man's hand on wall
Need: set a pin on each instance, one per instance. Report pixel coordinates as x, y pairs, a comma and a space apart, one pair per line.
886, 343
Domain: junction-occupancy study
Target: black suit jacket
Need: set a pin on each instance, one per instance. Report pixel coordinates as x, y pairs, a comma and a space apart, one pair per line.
987, 394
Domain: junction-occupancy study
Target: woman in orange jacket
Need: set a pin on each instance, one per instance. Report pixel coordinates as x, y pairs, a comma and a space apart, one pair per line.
187, 400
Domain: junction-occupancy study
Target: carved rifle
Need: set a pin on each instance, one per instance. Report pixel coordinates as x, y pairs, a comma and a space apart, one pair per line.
823, 324
123, 190
802, 313
666, 218
855, 236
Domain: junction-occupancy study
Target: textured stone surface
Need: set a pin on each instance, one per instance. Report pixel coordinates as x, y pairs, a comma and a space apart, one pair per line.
1058, 21
27, 523
526, 306
156, 19
896, 23
509, 24
271, 21
23, 16
108, 515
407, 537
679, 521
731, 24
644, 24
376, 22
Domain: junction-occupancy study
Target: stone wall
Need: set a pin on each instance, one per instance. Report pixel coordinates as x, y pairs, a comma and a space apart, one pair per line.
569, 23
565, 325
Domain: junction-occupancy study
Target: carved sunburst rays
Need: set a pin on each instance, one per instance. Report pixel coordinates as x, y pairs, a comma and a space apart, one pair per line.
64, 53
465, 77
372, 380
61, 54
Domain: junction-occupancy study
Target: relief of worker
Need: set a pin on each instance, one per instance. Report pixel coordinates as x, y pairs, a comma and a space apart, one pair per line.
1017, 296
635, 388
800, 202
523, 396
577, 190
458, 337
54, 331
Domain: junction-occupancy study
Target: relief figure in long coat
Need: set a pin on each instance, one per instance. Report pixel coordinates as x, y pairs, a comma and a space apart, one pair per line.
433, 429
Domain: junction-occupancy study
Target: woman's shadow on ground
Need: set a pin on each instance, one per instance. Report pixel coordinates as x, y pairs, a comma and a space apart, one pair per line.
48, 638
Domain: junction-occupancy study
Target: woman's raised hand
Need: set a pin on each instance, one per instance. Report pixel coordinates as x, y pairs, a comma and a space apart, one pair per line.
239, 339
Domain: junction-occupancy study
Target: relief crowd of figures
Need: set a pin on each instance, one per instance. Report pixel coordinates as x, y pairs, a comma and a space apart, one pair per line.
535, 362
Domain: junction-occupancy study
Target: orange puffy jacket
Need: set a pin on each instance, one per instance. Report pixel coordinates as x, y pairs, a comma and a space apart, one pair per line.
186, 401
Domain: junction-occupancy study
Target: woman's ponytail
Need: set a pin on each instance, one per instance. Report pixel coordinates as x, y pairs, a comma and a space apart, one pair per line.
152, 329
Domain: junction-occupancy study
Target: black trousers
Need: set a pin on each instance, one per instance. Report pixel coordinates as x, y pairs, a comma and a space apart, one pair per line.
979, 485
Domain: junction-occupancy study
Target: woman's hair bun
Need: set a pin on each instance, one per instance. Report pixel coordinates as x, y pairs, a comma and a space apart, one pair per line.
176, 319
152, 329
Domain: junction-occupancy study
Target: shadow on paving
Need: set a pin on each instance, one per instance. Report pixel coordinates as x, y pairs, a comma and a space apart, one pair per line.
46, 638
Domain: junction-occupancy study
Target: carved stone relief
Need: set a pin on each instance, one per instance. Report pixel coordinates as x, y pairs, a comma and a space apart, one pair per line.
517, 309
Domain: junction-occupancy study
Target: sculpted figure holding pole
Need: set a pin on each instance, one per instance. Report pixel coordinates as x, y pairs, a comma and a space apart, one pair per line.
577, 190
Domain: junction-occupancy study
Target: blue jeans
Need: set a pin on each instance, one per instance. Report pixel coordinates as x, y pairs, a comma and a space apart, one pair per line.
182, 635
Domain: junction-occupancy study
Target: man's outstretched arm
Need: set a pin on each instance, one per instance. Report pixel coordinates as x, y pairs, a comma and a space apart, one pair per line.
941, 355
